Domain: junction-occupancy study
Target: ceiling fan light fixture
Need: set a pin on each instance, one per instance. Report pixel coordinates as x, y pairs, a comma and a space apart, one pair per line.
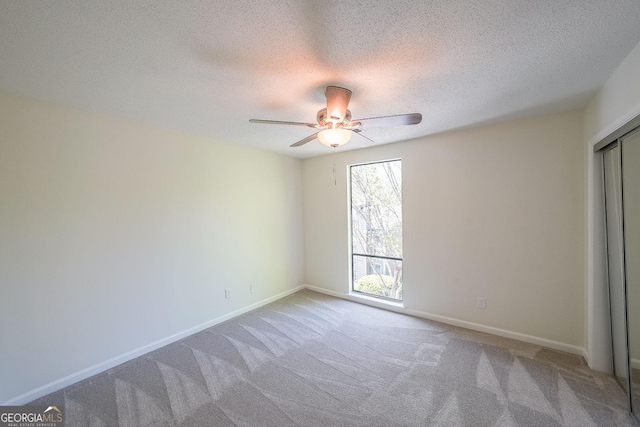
334, 137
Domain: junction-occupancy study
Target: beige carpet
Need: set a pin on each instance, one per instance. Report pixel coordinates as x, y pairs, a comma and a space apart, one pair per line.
313, 360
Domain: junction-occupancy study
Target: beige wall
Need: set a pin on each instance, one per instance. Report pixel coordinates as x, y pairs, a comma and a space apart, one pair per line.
494, 211
114, 235
617, 102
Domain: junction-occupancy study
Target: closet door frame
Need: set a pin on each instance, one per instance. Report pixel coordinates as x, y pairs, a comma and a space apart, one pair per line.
621, 141
611, 142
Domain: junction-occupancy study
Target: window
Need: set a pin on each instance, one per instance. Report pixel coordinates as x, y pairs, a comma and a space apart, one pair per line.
376, 228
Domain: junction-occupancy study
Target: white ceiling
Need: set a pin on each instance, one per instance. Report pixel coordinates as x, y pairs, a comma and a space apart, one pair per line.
207, 67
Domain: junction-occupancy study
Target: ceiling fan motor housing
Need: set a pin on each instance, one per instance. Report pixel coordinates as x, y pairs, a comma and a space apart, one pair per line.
333, 122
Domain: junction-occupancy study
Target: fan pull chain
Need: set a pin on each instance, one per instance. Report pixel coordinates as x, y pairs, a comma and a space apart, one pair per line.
335, 184
333, 156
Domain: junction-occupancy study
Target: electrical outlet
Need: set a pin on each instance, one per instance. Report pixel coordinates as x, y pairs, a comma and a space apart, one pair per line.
252, 288
227, 294
482, 302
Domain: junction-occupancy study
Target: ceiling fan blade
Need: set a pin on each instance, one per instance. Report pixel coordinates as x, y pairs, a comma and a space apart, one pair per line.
277, 122
359, 133
304, 141
399, 120
337, 102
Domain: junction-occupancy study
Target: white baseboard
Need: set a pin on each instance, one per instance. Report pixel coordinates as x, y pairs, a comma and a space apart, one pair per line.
635, 363
108, 364
556, 345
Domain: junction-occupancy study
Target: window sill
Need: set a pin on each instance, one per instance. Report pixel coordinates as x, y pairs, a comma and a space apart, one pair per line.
383, 303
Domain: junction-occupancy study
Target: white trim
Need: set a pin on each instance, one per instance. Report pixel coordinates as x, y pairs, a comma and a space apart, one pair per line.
386, 305
374, 302
608, 130
531, 339
108, 364
544, 342
635, 363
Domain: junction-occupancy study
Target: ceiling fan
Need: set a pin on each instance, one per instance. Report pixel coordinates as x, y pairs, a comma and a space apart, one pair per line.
336, 123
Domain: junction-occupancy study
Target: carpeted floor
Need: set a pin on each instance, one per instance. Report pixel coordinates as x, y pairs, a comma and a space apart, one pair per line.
313, 360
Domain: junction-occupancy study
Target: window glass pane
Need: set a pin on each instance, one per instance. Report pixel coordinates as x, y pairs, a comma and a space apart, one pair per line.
376, 209
376, 276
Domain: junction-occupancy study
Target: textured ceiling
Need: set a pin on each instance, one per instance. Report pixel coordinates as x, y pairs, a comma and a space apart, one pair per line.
207, 67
